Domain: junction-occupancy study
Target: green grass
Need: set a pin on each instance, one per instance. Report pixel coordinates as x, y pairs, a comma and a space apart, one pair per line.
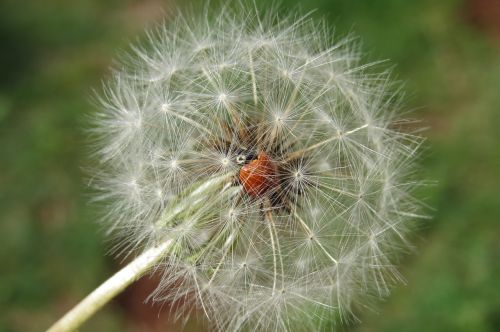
53, 253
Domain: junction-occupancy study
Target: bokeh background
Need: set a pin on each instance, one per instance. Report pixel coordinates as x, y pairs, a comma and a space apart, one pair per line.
52, 252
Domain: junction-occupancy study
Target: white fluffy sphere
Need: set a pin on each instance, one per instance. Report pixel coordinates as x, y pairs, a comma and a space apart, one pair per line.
270, 157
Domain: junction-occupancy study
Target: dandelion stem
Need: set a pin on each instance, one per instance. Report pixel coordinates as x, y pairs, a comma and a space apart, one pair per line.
134, 270
73, 319
194, 196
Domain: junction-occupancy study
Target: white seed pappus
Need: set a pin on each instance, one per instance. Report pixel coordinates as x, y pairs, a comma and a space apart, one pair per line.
200, 98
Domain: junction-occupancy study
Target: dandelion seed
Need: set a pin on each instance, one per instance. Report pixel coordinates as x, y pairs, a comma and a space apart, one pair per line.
267, 158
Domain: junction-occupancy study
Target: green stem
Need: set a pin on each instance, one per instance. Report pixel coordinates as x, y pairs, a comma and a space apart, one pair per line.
72, 320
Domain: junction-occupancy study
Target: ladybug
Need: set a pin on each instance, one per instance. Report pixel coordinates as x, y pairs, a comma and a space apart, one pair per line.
259, 175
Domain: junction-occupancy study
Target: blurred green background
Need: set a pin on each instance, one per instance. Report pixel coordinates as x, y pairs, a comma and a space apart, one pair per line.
52, 252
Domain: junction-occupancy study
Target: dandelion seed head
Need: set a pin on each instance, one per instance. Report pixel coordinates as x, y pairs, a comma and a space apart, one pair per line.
270, 156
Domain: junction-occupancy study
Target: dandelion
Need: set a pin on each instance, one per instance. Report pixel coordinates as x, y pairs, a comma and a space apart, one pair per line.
256, 165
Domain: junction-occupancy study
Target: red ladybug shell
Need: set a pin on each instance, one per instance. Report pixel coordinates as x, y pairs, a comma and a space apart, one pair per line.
258, 176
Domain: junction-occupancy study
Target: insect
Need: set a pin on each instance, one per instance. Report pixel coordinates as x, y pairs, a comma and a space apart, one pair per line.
259, 175
266, 170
